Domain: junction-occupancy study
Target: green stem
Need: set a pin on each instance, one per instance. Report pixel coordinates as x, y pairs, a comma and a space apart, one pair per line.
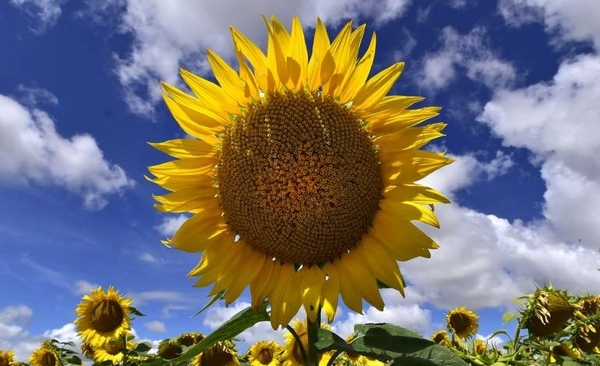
312, 328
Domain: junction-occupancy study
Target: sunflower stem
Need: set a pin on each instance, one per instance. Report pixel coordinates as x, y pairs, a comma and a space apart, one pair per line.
312, 358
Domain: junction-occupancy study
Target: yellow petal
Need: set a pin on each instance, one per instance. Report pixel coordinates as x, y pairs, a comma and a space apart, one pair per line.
410, 166
185, 148
200, 231
186, 200
380, 262
191, 127
401, 239
227, 77
415, 193
353, 271
338, 53
311, 284
210, 95
255, 56
249, 269
377, 87
331, 291
276, 57
388, 106
346, 60
195, 111
411, 138
357, 78
183, 167
276, 297
409, 211
351, 298
401, 120
263, 284
319, 50
297, 58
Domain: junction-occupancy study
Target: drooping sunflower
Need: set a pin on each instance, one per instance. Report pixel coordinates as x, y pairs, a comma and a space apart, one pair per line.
462, 322
441, 337
301, 174
220, 354
103, 316
46, 355
265, 353
7, 358
547, 311
112, 350
479, 346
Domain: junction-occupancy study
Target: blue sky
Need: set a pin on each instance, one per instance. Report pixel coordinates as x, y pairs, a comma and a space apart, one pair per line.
519, 81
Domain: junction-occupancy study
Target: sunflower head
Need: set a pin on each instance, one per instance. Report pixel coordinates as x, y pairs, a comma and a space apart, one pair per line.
565, 350
301, 177
587, 336
168, 349
479, 346
46, 355
112, 350
547, 312
463, 323
265, 353
441, 337
589, 305
189, 339
103, 316
7, 358
220, 354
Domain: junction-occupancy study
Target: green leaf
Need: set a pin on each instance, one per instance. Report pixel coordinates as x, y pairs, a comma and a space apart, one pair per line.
74, 360
508, 317
390, 342
214, 299
135, 311
143, 347
231, 328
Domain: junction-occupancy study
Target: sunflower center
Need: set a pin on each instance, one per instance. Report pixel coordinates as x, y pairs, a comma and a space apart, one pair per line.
216, 356
107, 315
299, 178
48, 359
114, 348
265, 356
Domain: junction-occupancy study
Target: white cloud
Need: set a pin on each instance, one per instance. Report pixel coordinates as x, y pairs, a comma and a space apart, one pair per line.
32, 96
486, 261
31, 150
16, 314
170, 224
575, 20
15, 336
556, 121
155, 326
168, 34
466, 54
44, 12
83, 287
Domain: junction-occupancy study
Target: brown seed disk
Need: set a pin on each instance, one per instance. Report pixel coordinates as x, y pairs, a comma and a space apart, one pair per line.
48, 359
106, 316
299, 178
265, 356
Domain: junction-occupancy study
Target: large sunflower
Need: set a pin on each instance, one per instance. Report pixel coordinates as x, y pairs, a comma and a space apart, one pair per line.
301, 181
103, 316
7, 358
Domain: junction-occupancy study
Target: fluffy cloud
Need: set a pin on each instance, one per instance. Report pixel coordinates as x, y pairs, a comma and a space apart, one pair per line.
15, 336
45, 13
555, 120
468, 54
155, 326
575, 20
169, 34
31, 150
